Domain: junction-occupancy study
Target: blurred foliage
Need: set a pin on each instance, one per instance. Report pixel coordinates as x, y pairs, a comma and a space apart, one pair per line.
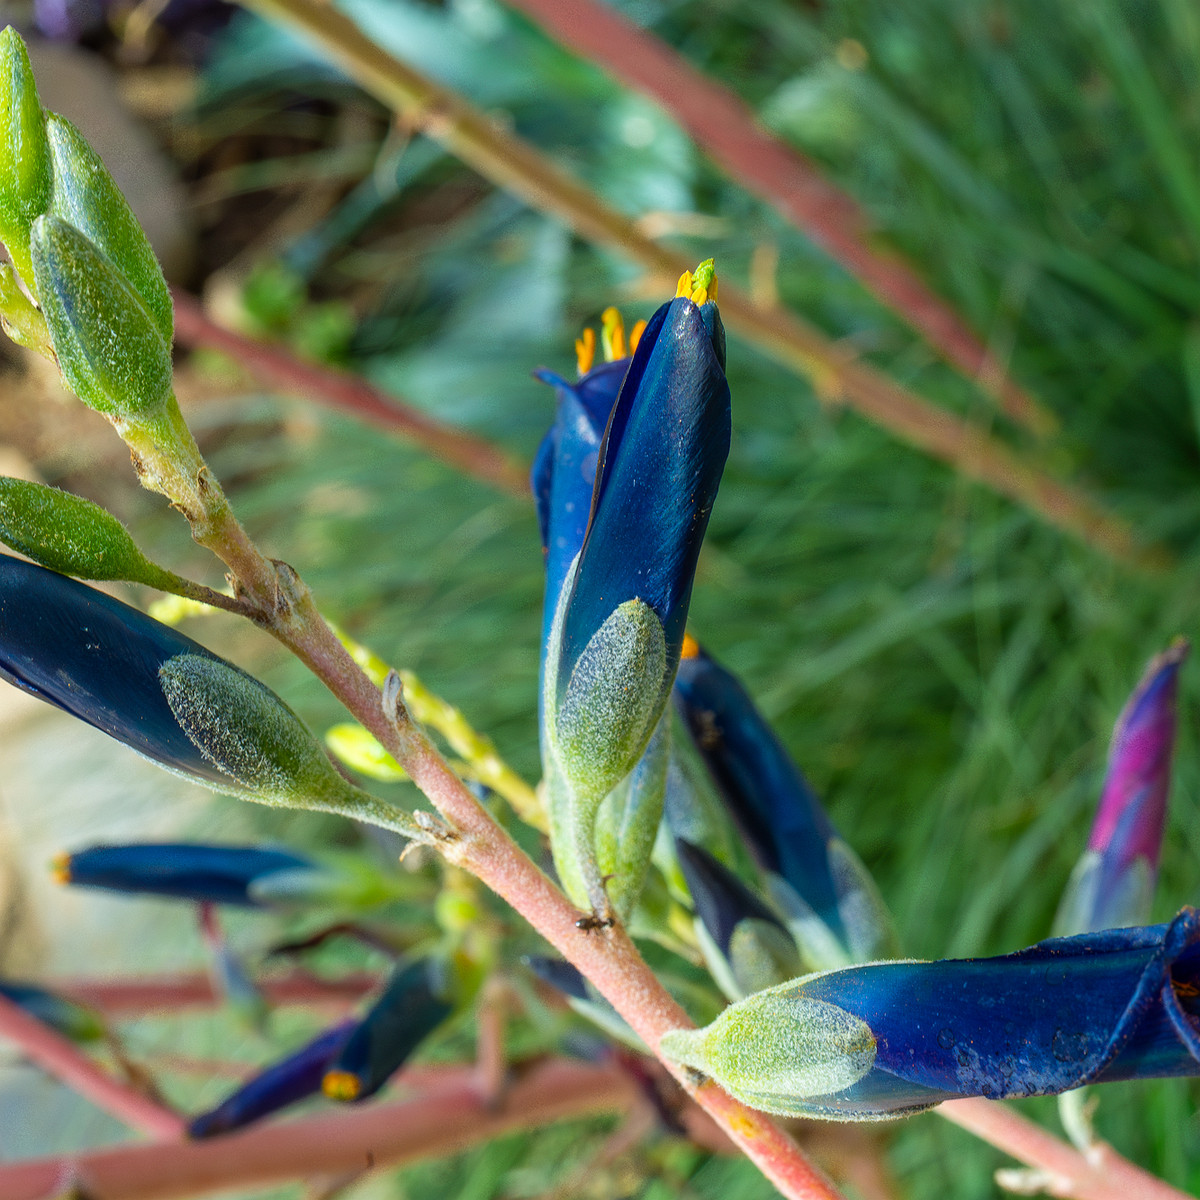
946, 669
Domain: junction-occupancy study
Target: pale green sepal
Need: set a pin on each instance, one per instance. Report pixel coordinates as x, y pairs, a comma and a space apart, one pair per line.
247, 732
1128, 903
776, 1051
718, 965
19, 318
762, 955
71, 535
820, 948
870, 933
1076, 1110
562, 837
86, 196
640, 822
603, 1015
26, 175
110, 352
1079, 897
611, 702
361, 751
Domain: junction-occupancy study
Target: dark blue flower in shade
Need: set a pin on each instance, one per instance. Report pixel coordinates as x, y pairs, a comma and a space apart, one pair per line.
68, 1017
1113, 882
286, 1082
186, 871
890, 1038
745, 944
832, 905
416, 1000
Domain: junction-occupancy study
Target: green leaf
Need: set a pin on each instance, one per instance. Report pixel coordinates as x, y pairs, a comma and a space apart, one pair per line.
26, 175
71, 535
109, 349
86, 196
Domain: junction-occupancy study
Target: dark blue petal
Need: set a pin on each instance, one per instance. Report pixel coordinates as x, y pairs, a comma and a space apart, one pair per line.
216, 874
1061, 1014
286, 1082
564, 472
720, 897
660, 466
96, 658
559, 974
778, 812
411, 1007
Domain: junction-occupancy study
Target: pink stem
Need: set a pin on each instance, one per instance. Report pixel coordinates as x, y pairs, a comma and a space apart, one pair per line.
1069, 1173
118, 998
62, 1059
448, 1117
727, 129
347, 393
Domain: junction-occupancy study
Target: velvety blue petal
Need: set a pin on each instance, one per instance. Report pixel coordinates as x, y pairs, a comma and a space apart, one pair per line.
564, 472
1061, 1014
411, 1007
96, 658
559, 974
286, 1082
660, 466
720, 897
771, 801
215, 874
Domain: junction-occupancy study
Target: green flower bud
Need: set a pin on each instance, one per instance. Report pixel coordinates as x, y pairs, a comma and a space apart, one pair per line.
71, 535
111, 353
86, 196
776, 1047
244, 730
26, 176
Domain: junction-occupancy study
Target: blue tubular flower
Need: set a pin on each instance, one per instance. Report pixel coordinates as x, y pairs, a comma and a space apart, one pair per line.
583, 998
833, 906
213, 874
165, 695
1113, 882
744, 943
891, 1038
616, 633
284, 1083
414, 1003
70, 1018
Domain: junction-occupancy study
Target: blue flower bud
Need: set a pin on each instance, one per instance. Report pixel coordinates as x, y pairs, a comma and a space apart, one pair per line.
68, 1017
415, 1001
891, 1038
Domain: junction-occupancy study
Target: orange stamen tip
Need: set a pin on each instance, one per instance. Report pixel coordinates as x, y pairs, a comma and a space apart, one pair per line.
341, 1085
635, 335
684, 286
691, 647
585, 350
60, 868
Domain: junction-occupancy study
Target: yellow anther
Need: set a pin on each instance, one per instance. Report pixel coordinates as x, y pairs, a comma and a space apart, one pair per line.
585, 350
635, 335
691, 647
341, 1085
684, 286
612, 335
60, 868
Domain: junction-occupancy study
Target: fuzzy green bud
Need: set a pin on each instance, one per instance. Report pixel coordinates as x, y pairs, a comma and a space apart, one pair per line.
776, 1049
86, 196
110, 351
71, 535
248, 733
26, 175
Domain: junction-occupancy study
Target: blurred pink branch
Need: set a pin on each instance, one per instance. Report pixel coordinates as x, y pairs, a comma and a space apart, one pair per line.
67, 1063
724, 126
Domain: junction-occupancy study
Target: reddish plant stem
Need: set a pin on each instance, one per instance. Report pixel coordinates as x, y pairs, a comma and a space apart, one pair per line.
515, 165
347, 393
119, 998
1068, 1172
448, 1116
66, 1062
724, 126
